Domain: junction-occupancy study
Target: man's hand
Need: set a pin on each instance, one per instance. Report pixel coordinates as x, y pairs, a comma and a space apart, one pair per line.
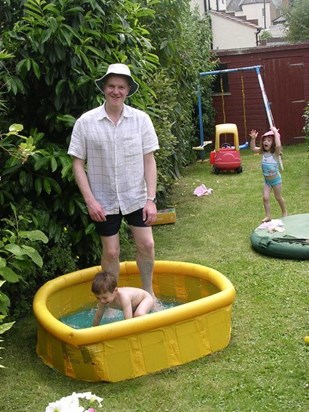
149, 212
96, 211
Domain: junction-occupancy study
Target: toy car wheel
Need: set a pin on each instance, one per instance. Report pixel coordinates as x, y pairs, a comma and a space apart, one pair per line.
216, 170
226, 146
238, 170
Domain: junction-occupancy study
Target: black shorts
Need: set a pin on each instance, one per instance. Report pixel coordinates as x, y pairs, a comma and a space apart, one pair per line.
113, 222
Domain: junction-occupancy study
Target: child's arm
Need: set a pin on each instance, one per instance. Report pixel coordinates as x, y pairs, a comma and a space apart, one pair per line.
253, 134
98, 315
278, 146
124, 300
127, 308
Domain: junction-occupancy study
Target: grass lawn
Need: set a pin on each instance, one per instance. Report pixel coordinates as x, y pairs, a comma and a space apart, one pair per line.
266, 365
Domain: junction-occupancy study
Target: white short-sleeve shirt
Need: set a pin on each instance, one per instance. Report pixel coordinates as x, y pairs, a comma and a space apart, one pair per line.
114, 156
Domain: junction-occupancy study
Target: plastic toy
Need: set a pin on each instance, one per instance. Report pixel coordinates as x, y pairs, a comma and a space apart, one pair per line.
165, 216
225, 156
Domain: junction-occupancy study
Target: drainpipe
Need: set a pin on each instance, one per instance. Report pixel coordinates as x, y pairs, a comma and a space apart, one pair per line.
258, 31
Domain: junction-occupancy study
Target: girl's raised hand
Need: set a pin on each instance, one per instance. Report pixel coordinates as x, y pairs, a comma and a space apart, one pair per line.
253, 134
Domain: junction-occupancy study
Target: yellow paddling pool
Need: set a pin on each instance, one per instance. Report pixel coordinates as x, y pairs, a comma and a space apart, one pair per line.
130, 348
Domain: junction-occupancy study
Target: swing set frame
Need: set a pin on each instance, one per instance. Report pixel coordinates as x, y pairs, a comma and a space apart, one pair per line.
257, 69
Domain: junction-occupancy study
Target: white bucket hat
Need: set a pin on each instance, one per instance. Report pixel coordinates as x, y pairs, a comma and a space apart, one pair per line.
123, 70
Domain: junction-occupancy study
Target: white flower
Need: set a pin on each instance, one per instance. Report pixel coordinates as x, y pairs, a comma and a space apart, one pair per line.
71, 403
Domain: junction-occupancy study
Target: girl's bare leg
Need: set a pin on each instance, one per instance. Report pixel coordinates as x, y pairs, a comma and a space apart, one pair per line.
280, 200
266, 201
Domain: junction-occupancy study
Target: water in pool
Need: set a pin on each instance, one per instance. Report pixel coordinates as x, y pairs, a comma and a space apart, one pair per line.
83, 318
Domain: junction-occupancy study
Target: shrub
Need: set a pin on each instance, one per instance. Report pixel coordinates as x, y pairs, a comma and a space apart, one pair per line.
54, 52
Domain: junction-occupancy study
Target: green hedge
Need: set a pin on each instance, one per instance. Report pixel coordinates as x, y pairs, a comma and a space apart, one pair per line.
52, 51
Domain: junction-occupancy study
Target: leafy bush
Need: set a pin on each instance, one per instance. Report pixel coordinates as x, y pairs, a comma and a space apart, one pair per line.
18, 256
3, 326
59, 48
297, 21
53, 53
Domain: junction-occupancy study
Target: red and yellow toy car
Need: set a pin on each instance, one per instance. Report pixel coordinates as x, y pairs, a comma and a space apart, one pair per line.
226, 156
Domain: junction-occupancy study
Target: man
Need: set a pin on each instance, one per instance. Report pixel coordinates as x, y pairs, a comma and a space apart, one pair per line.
117, 142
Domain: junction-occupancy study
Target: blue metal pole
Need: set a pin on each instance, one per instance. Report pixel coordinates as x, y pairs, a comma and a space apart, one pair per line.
267, 107
265, 99
200, 115
214, 72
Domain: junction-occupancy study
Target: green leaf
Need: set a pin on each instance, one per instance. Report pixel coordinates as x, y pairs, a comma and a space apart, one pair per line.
5, 326
20, 66
71, 207
9, 275
14, 249
46, 185
16, 128
34, 235
59, 86
67, 119
36, 69
41, 162
90, 229
66, 171
38, 185
67, 37
53, 24
46, 35
55, 185
33, 255
23, 178
53, 163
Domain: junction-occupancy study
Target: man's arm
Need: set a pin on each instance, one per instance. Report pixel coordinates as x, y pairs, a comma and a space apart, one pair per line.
150, 172
150, 168
95, 210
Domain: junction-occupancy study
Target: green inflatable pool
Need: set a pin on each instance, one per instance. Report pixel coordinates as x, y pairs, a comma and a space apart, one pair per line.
288, 240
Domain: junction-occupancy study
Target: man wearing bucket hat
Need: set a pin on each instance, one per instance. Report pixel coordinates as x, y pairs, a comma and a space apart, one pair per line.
115, 169
270, 149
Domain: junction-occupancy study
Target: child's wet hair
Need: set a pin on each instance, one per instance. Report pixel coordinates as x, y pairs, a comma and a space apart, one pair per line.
104, 282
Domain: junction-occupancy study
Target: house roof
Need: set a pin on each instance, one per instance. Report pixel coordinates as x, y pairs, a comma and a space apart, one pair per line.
279, 20
240, 20
243, 2
235, 5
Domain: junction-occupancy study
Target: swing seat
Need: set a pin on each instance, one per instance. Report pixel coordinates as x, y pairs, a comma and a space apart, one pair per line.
202, 146
244, 146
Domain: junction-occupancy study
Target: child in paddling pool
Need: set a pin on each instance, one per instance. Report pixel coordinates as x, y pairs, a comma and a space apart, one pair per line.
270, 149
132, 301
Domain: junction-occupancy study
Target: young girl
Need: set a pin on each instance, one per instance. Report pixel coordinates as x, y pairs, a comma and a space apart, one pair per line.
270, 149
132, 301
